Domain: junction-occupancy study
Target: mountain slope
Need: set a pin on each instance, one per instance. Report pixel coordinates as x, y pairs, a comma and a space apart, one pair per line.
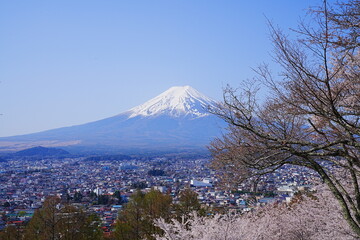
176, 119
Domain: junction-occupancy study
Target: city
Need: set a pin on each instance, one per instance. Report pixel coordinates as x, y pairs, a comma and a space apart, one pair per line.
93, 184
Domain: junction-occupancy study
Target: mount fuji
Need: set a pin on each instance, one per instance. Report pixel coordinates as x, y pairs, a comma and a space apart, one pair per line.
175, 120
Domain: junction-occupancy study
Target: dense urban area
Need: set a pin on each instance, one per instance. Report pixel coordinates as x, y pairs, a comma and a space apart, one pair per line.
104, 184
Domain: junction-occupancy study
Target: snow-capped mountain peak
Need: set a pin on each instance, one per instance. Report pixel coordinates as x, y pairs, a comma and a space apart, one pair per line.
175, 120
175, 102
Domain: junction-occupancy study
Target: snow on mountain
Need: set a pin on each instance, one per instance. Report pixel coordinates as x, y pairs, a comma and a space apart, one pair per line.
175, 102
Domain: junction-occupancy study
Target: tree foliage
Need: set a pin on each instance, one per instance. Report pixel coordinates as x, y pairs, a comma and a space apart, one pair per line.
12, 233
118, 196
54, 221
136, 220
188, 204
312, 117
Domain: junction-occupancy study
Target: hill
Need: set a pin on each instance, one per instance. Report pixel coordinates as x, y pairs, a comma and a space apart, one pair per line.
41, 151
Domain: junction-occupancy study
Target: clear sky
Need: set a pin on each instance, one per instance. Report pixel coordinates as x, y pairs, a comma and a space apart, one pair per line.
69, 62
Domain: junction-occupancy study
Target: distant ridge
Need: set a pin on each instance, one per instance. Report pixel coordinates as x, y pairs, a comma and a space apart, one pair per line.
42, 151
177, 120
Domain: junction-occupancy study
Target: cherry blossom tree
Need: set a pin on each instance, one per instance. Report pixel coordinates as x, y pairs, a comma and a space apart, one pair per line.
310, 217
312, 115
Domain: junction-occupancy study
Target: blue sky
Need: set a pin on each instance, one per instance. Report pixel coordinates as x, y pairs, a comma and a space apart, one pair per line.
68, 62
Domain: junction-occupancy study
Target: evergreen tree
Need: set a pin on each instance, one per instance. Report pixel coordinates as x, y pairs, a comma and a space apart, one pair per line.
188, 204
54, 221
12, 233
136, 220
